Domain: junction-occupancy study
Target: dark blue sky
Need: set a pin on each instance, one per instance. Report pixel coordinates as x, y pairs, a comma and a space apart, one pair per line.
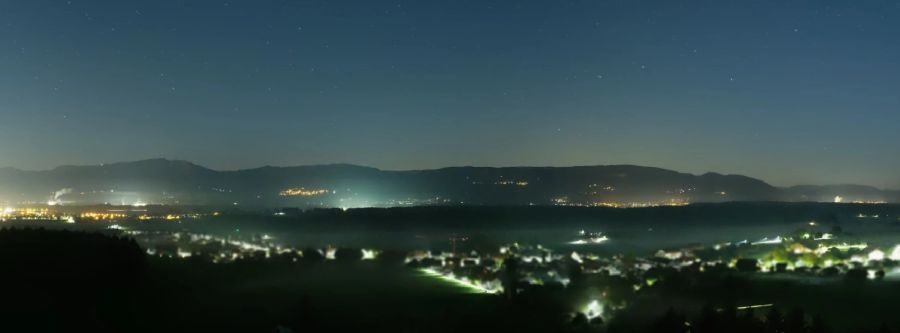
789, 91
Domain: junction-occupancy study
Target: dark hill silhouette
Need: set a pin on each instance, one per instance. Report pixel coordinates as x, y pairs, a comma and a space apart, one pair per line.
172, 181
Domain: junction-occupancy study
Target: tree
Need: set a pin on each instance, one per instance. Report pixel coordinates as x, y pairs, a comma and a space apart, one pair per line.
747, 265
671, 322
795, 321
779, 254
579, 321
575, 273
857, 275
392, 257
348, 255
818, 325
774, 322
311, 255
510, 276
708, 321
728, 320
748, 323
830, 271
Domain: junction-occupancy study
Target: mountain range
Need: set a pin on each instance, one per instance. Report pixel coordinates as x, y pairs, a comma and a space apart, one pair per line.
162, 181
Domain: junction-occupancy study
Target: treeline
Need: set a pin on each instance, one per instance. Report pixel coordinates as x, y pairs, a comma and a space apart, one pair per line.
56, 280
59, 256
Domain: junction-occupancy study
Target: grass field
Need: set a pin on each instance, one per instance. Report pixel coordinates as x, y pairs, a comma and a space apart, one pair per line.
330, 295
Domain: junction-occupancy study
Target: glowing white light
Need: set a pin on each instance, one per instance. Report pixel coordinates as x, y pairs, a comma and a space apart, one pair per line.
757, 306
846, 247
369, 254
895, 254
876, 255
825, 237
838, 199
776, 240
477, 286
577, 257
593, 310
871, 274
592, 240
598, 240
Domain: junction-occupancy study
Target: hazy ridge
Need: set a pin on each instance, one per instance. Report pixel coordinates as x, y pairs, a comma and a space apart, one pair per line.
343, 185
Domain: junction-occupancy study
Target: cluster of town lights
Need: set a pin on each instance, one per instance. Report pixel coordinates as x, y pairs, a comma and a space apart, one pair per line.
302, 192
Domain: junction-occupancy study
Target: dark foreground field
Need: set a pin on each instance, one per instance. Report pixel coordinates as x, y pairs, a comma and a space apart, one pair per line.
72, 281
60, 281
327, 296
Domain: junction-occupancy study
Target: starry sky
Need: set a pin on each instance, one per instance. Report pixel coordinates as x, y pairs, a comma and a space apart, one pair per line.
792, 92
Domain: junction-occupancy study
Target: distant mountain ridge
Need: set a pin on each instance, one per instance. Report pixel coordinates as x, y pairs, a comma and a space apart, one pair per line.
343, 185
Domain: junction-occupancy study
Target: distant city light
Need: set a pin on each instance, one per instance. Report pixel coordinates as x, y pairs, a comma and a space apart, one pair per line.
303, 192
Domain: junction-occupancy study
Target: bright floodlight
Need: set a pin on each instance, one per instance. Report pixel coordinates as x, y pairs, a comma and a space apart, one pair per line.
895, 254
593, 309
876, 255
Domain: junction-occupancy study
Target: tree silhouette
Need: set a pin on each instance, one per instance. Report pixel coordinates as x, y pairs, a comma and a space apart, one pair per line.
818, 325
348, 255
510, 277
311, 256
708, 321
671, 322
774, 322
795, 321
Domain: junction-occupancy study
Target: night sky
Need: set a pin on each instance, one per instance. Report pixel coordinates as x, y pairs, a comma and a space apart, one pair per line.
792, 92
